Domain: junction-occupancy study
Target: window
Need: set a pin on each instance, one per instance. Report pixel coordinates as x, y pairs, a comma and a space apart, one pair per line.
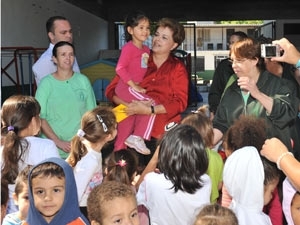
204, 34
219, 46
210, 46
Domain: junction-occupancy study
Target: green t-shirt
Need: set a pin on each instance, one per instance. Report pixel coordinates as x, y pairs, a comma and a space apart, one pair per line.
63, 103
215, 172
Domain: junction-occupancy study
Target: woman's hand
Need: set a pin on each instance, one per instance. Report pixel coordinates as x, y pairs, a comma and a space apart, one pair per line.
272, 149
138, 107
64, 145
290, 55
47, 130
248, 84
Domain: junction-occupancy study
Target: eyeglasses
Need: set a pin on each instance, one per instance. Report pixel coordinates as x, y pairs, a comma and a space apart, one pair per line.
237, 61
103, 124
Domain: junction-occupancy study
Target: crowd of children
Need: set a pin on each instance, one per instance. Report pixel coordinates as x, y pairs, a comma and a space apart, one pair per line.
188, 179
186, 182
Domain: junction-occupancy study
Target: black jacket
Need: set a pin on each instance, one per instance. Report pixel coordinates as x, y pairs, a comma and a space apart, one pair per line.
281, 120
221, 76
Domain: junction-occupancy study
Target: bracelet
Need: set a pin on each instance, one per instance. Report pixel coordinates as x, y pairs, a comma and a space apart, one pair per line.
298, 64
281, 157
152, 109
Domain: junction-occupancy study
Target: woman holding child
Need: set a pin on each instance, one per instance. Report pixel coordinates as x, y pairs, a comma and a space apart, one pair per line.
166, 80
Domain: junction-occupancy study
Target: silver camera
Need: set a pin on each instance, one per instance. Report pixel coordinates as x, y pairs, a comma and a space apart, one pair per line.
269, 50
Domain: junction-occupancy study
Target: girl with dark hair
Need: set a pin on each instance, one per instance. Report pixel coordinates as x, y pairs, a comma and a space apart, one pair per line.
201, 121
122, 166
131, 68
177, 193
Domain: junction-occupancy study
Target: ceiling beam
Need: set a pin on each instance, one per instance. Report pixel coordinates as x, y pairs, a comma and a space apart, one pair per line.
186, 10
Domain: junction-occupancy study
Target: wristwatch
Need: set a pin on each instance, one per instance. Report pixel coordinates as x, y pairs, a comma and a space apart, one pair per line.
152, 109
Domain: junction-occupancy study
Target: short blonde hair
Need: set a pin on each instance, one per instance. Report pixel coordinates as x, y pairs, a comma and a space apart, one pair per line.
215, 214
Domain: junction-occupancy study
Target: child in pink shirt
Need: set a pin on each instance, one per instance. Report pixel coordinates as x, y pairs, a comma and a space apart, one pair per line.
131, 68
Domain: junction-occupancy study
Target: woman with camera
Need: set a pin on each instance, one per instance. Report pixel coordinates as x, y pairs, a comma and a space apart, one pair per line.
257, 92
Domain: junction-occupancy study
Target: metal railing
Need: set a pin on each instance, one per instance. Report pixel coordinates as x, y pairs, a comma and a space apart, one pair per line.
16, 67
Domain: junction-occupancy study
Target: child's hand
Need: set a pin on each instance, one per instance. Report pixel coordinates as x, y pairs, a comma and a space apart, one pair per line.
136, 87
139, 89
135, 180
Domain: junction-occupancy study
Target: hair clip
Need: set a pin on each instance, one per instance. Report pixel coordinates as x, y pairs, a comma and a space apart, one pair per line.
205, 113
195, 111
121, 163
10, 128
80, 133
103, 124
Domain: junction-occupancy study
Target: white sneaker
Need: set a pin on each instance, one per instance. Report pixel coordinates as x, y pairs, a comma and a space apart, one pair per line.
138, 144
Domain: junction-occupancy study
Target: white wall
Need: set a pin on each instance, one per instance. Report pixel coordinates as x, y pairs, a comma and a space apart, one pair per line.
209, 57
23, 23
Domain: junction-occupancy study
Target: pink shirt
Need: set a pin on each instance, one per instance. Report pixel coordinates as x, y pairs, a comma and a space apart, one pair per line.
132, 64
